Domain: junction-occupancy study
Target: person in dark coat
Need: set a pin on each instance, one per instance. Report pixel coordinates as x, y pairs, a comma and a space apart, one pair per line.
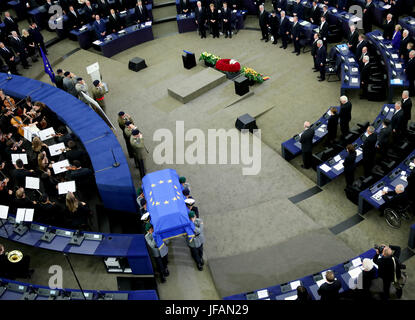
30, 45
295, 35
74, 18
384, 137
315, 13
37, 37
345, 115
19, 48
115, 23
323, 30
410, 72
284, 30
10, 24
364, 76
279, 5
201, 20
398, 123
306, 141
302, 294
263, 22
185, 7
369, 150
349, 164
103, 8
360, 45
274, 23
404, 43
368, 15
314, 52
141, 13
226, 16
329, 291
388, 28
332, 124
213, 18
321, 57
406, 104
353, 39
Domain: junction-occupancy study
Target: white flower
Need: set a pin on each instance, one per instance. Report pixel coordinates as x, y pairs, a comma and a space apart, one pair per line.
232, 61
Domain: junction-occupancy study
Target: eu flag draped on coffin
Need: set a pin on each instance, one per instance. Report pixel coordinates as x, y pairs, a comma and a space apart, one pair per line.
165, 203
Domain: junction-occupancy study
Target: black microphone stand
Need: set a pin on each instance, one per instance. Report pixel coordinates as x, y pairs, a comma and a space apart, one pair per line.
74, 274
116, 163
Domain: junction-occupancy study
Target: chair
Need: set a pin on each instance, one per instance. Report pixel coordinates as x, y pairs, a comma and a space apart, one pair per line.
376, 92
394, 216
335, 34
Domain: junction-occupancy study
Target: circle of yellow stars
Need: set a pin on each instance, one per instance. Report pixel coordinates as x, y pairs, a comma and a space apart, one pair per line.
157, 203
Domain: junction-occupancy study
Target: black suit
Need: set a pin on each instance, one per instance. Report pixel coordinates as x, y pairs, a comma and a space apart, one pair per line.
38, 38
296, 32
330, 291
384, 137
114, 24
74, 21
397, 125
88, 13
274, 23
345, 115
280, 4
201, 19
11, 25
122, 5
263, 22
410, 75
359, 47
184, 5
386, 269
227, 28
284, 28
324, 32
315, 15
364, 78
19, 47
349, 167
141, 15
321, 61
314, 53
306, 141
332, 124
214, 26
7, 54
388, 30
103, 8
353, 41
403, 45
369, 152
368, 17
406, 108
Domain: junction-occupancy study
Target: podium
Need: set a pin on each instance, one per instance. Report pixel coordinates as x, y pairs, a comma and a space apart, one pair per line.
246, 121
241, 85
136, 64
189, 60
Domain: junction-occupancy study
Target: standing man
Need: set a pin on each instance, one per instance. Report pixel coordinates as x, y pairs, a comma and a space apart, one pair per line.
329, 291
226, 20
141, 13
323, 30
114, 22
410, 72
397, 123
404, 43
201, 19
353, 39
98, 92
129, 127
295, 35
37, 37
369, 150
388, 28
315, 13
384, 138
8, 56
10, 23
69, 83
19, 48
137, 145
332, 125
306, 141
59, 79
100, 27
345, 115
321, 57
364, 76
406, 104
368, 13
274, 23
263, 22
349, 164
125, 119
284, 30
360, 45
81, 86
196, 244
160, 255
314, 52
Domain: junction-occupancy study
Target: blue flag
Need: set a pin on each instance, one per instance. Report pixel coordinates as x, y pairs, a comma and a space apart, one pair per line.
48, 68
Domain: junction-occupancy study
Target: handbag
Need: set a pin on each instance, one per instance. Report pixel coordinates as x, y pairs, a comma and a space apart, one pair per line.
399, 283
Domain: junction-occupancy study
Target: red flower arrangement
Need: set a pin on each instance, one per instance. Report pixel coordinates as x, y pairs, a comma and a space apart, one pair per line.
225, 65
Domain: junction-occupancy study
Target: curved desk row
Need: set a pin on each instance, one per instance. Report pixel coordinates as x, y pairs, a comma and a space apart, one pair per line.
292, 147
350, 75
394, 64
333, 168
15, 290
130, 249
287, 291
115, 184
371, 197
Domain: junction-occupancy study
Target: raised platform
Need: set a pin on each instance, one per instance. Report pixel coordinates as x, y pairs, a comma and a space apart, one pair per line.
196, 85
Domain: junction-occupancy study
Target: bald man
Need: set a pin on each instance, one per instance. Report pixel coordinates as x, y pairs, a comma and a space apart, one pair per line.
306, 141
388, 28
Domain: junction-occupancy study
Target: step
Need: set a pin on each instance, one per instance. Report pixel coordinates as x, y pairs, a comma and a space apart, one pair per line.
167, 19
164, 4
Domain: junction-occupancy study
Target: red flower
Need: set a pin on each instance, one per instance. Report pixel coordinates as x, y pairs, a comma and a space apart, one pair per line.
224, 65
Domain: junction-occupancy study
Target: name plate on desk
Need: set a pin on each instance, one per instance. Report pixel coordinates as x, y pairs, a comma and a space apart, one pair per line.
36, 227
91, 236
64, 233
97, 42
396, 81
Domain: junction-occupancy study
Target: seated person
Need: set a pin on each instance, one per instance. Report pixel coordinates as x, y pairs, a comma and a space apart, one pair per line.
20, 173
396, 199
77, 173
77, 213
21, 201
74, 153
49, 212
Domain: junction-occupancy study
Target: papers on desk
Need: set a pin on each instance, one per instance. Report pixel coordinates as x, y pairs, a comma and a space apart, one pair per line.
122, 12
316, 30
325, 167
354, 80
351, 60
354, 273
379, 38
388, 46
234, 11
83, 28
22, 156
395, 56
386, 109
334, 10
295, 284
32, 183
4, 211
59, 167
358, 152
304, 23
46, 134
24, 214
337, 158
411, 22
97, 42
354, 69
148, 23
387, 6
355, 19
65, 187
320, 282
398, 66
357, 262
56, 149
291, 19
262, 294
396, 81
339, 166
294, 297
378, 195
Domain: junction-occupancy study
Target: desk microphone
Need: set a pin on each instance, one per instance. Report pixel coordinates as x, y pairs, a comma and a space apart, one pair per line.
9, 75
116, 163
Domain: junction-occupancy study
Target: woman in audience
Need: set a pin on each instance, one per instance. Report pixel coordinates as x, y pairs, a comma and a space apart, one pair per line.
43, 162
77, 212
349, 164
213, 20
397, 37
30, 45
302, 294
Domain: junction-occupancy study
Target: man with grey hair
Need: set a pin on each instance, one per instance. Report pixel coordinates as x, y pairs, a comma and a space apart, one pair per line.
353, 38
406, 108
19, 48
345, 115
397, 122
321, 57
369, 150
364, 76
410, 72
263, 22
388, 28
284, 29
404, 42
306, 141
201, 20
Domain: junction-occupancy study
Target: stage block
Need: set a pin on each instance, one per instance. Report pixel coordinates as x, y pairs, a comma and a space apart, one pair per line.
196, 85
